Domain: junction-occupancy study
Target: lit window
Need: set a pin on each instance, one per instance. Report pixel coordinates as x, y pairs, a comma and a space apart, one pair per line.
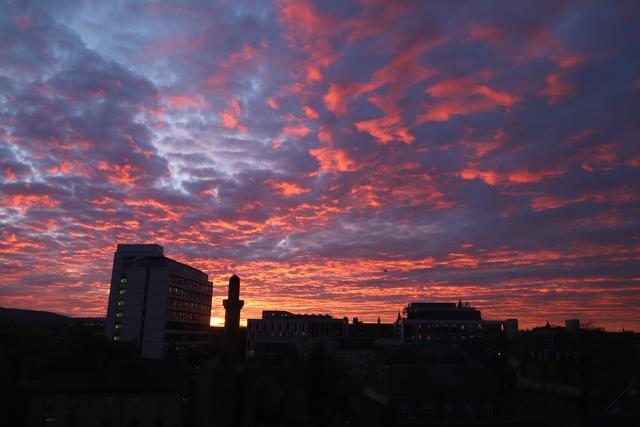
122, 291
118, 326
119, 314
120, 303
116, 338
123, 280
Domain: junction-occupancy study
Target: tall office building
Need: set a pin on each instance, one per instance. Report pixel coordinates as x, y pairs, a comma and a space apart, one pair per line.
157, 302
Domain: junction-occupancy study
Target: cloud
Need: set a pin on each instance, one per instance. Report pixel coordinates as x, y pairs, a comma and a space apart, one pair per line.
361, 155
463, 96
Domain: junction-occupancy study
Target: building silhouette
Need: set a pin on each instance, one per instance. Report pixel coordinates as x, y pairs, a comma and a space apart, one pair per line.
157, 302
232, 306
451, 322
279, 332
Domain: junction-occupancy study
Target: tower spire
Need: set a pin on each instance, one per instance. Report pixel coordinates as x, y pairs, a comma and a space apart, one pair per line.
232, 306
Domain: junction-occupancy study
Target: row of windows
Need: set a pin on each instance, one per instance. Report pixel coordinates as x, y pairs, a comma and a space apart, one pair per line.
449, 325
118, 320
174, 279
294, 328
196, 296
173, 302
184, 315
455, 327
453, 337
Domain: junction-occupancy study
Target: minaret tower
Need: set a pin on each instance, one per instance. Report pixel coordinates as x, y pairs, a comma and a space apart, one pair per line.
232, 306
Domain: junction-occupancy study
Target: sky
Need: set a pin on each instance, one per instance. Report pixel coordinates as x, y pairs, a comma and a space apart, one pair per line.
341, 157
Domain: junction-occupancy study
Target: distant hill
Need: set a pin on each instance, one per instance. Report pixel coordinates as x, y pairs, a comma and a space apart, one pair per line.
17, 315
31, 316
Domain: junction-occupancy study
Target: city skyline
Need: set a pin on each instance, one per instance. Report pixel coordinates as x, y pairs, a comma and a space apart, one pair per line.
340, 158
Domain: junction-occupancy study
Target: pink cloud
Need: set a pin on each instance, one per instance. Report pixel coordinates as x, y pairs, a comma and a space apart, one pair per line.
461, 96
297, 130
231, 117
333, 159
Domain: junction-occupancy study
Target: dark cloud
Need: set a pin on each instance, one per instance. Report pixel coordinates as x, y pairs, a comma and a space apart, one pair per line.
357, 155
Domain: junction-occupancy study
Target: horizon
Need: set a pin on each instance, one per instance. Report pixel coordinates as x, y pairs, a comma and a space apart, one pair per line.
584, 325
343, 158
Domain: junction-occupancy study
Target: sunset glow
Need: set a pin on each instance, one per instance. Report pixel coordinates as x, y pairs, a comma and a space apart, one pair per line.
340, 158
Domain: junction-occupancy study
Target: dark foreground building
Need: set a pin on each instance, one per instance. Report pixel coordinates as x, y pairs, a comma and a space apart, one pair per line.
139, 393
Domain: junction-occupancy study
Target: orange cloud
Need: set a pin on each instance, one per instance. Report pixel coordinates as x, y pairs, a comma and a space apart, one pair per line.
9, 174
488, 176
402, 72
599, 158
550, 202
310, 113
333, 159
287, 189
309, 30
570, 60
617, 196
184, 101
63, 168
335, 99
455, 97
155, 209
517, 177
121, 174
26, 201
634, 162
556, 88
245, 54
325, 136
386, 129
483, 147
298, 130
231, 117
272, 103
526, 177
499, 98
